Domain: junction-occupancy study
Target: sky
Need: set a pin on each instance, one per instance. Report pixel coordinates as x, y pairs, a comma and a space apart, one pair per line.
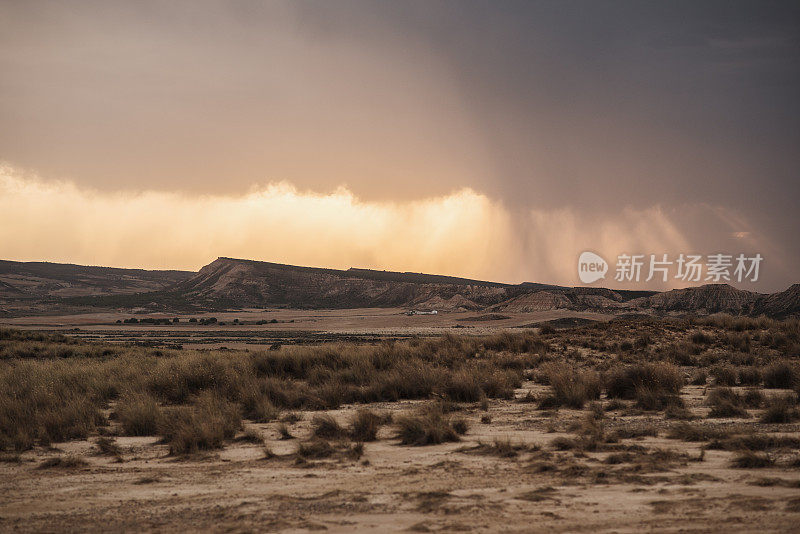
494, 140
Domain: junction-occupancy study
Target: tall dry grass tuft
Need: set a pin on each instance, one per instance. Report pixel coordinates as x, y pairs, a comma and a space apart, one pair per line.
428, 426
139, 415
365, 425
205, 425
571, 387
653, 385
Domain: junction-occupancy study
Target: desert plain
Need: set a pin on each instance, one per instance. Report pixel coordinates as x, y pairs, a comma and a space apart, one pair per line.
371, 420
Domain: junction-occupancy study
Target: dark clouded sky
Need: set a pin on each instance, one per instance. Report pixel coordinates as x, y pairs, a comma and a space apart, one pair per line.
597, 112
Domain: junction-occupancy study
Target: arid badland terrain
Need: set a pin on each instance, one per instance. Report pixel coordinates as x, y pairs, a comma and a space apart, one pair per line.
254, 396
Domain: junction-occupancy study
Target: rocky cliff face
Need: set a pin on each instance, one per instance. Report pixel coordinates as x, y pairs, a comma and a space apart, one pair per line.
711, 298
779, 305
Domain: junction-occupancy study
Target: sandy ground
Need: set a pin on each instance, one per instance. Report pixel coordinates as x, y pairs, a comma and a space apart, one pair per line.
392, 488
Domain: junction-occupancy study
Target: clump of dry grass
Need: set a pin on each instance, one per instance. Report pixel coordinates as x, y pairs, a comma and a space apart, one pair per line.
204, 426
696, 432
753, 398
570, 387
755, 442
725, 402
50, 402
139, 415
781, 375
315, 449
258, 408
752, 460
427, 427
780, 410
326, 426
63, 462
563, 443
699, 377
365, 425
500, 447
749, 375
679, 412
12, 458
108, 446
724, 375
632, 430
654, 386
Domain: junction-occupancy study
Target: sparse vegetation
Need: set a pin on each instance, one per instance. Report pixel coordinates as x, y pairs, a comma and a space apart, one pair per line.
627, 376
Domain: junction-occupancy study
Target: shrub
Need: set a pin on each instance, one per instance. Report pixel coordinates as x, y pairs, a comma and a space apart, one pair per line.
725, 402
461, 426
661, 377
678, 412
318, 448
570, 387
365, 425
75, 419
564, 444
749, 376
502, 448
654, 386
695, 432
251, 435
428, 427
139, 415
204, 426
724, 375
779, 410
753, 398
108, 446
325, 426
258, 408
463, 386
699, 378
755, 442
751, 460
781, 375
701, 338
653, 398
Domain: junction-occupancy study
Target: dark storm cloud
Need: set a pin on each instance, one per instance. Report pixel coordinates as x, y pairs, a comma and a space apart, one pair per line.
588, 106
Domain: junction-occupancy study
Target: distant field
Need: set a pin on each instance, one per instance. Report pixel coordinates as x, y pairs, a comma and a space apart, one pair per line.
251, 328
